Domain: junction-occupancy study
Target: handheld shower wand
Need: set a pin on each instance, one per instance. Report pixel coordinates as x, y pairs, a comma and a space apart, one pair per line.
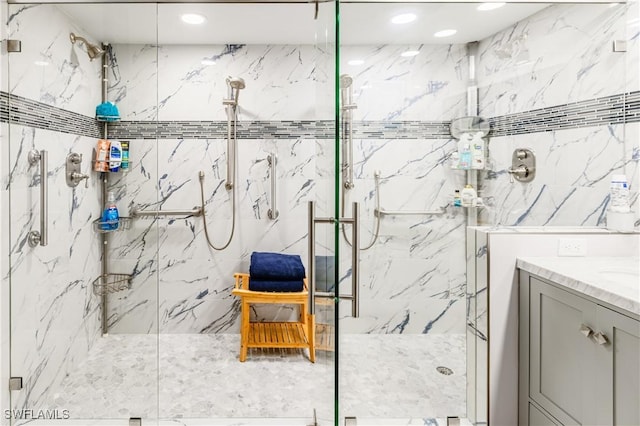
231, 104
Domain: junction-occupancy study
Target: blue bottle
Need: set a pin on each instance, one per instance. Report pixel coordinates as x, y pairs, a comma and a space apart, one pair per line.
110, 216
465, 157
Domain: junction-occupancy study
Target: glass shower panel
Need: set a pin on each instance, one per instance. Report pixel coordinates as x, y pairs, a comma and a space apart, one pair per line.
245, 105
533, 76
400, 89
83, 348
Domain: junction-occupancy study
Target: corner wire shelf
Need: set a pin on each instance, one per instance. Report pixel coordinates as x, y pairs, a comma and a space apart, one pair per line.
123, 223
111, 283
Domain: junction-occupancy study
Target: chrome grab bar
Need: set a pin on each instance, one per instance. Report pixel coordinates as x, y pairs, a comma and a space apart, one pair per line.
196, 211
355, 253
273, 161
382, 212
41, 237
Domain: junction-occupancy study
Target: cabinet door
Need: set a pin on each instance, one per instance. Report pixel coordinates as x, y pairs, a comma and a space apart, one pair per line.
562, 359
538, 418
619, 369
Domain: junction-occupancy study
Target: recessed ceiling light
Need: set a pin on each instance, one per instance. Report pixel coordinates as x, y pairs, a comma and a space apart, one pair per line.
192, 18
404, 18
355, 62
490, 6
41, 63
208, 62
445, 33
409, 53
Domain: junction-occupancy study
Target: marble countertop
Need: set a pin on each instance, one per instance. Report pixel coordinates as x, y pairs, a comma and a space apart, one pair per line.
614, 280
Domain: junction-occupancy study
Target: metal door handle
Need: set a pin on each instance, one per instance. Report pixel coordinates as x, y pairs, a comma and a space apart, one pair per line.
586, 330
355, 274
600, 338
355, 260
41, 237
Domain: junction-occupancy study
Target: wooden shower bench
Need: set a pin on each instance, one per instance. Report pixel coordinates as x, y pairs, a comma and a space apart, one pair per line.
293, 334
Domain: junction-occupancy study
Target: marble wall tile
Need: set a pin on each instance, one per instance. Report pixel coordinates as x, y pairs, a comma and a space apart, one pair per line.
50, 69
188, 90
414, 173
386, 86
574, 168
518, 72
633, 45
55, 315
133, 81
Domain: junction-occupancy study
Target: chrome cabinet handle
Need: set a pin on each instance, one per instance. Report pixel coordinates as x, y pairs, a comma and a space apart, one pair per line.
600, 338
586, 330
41, 237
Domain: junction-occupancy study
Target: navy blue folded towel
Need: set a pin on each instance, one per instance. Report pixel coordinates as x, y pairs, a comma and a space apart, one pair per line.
256, 284
275, 267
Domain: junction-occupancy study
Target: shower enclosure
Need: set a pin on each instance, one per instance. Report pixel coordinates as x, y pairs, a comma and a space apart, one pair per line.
317, 129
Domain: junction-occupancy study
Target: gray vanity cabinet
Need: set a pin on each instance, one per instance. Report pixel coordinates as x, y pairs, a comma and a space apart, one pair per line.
579, 360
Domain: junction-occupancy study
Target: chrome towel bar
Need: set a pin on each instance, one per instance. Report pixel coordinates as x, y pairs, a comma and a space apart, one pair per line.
196, 211
382, 212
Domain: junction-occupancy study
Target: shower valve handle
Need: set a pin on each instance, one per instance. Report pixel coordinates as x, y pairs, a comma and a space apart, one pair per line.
521, 171
77, 177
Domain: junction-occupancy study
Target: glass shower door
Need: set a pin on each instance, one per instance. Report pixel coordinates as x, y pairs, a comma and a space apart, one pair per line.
140, 322
73, 353
245, 104
403, 358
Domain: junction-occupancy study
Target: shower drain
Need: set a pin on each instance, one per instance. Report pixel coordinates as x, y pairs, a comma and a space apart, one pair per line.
444, 370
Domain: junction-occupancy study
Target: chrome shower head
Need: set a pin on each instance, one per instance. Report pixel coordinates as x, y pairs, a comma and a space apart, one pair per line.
345, 81
234, 84
93, 50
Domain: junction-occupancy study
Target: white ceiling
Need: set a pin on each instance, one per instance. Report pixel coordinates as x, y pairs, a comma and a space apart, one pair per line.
289, 23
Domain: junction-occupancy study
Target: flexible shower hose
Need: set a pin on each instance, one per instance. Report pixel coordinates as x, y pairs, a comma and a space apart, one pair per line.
204, 216
233, 189
376, 176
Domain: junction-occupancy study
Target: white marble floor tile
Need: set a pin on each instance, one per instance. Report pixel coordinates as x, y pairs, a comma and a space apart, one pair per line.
187, 379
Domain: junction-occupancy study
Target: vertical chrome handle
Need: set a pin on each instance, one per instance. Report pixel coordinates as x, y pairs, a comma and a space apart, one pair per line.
355, 260
41, 237
311, 264
355, 274
273, 211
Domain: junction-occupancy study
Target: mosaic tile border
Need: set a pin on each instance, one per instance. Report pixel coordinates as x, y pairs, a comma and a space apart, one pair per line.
285, 129
606, 110
39, 115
